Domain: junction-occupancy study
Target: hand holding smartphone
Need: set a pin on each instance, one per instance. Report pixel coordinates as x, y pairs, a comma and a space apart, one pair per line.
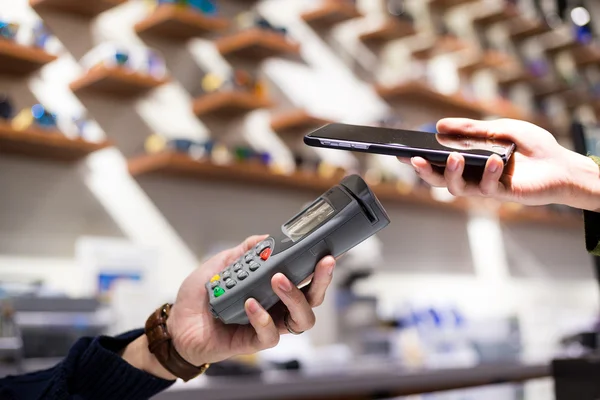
434, 148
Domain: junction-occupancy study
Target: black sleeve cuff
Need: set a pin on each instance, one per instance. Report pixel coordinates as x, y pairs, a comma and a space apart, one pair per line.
592, 232
102, 373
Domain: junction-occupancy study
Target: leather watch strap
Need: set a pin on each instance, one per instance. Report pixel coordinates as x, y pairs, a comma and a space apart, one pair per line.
161, 345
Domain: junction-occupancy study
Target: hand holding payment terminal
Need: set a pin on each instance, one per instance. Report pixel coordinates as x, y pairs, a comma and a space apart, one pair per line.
338, 220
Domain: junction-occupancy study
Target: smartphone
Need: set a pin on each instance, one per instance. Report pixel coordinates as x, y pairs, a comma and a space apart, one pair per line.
433, 147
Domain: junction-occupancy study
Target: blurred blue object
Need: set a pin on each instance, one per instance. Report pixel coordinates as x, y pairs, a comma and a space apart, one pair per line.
180, 145
265, 158
8, 30
262, 23
205, 6
584, 34
42, 117
121, 57
41, 35
6, 107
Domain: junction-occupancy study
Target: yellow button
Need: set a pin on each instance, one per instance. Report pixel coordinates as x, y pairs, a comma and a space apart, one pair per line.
215, 278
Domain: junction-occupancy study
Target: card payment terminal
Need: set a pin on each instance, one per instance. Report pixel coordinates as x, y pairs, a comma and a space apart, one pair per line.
338, 220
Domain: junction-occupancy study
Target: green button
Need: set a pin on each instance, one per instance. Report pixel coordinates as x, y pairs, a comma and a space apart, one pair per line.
218, 291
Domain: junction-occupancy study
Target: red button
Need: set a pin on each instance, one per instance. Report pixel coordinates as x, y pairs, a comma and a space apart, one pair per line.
265, 254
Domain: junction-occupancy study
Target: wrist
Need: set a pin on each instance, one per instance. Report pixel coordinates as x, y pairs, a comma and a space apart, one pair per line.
584, 183
138, 355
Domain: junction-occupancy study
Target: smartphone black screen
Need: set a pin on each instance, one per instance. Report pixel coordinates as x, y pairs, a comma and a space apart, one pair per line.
404, 143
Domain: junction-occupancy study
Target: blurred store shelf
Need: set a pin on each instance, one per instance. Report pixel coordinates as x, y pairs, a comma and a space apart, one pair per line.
353, 385
331, 13
490, 59
228, 104
441, 45
391, 29
86, 8
50, 145
516, 214
297, 121
180, 165
16, 59
522, 29
172, 22
487, 18
256, 44
116, 81
420, 91
444, 5
521, 76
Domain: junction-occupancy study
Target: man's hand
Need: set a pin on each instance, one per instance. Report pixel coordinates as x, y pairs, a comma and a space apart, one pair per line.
540, 172
200, 338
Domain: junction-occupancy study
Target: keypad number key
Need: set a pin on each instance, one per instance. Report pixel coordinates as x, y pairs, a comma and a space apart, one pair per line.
242, 275
254, 266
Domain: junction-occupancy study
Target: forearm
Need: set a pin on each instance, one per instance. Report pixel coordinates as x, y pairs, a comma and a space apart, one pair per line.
584, 183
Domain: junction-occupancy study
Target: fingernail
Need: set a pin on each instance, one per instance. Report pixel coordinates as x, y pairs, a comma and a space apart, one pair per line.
253, 306
493, 167
452, 164
285, 285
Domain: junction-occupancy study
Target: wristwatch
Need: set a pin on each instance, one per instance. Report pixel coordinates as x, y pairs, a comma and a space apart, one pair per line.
160, 344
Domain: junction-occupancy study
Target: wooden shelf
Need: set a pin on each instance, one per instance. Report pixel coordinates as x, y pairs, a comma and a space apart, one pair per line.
444, 5
116, 81
413, 91
490, 59
391, 29
256, 44
40, 143
494, 17
539, 216
16, 59
85, 8
171, 22
442, 45
516, 78
331, 13
295, 121
228, 104
543, 90
586, 55
180, 165
521, 29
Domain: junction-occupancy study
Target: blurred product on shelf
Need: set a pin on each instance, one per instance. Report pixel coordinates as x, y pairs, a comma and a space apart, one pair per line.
306, 164
6, 107
582, 24
37, 116
41, 35
207, 7
134, 58
237, 80
206, 150
326, 170
8, 30
252, 19
247, 154
397, 9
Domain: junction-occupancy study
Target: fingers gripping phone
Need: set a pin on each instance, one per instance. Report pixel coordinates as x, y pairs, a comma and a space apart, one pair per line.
433, 147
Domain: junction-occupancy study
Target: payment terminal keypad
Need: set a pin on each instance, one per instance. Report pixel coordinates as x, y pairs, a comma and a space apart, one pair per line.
241, 269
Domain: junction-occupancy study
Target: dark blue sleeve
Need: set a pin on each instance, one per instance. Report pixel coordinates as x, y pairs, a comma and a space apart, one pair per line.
93, 370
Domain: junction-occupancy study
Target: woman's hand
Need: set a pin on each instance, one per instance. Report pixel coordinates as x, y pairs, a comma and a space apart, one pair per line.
200, 338
540, 172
